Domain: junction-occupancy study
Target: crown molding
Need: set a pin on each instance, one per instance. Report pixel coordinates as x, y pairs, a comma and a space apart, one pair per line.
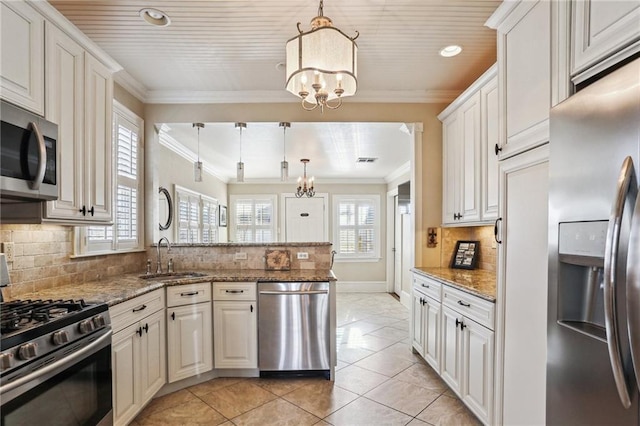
404, 169
471, 90
131, 85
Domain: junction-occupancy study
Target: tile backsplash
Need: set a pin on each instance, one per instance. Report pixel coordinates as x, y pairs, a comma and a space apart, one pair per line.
484, 234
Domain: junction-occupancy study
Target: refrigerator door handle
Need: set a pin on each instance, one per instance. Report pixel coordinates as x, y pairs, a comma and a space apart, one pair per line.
633, 289
610, 268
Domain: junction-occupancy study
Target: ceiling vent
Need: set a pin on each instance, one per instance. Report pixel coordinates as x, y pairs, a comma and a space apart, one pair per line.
366, 159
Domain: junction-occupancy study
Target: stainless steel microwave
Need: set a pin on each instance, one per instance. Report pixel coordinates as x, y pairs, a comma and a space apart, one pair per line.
28, 156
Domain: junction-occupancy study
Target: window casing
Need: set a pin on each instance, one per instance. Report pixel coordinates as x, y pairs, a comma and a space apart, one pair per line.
126, 233
196, 217
356, 227
253, 218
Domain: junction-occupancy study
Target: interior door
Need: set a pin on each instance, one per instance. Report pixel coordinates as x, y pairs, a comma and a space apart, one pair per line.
397, 249
305, 220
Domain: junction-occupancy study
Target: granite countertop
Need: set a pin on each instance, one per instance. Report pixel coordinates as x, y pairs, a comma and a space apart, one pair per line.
121, 288
478, 282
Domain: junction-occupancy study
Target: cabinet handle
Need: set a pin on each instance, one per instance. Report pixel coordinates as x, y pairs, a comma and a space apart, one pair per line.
140, 308
462, 325
495, 230
234, 291
458, 322
461, 303
497, 149
251, 308
139, 331
173, 316
91, 211
83, 210
457, 216
425, 286
146, 328
191, 293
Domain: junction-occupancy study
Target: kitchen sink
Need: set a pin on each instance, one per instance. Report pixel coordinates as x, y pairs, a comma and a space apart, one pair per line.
172, 275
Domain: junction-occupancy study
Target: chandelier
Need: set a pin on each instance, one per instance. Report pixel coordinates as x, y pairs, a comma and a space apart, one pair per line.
197, 166
324, 58
305, 187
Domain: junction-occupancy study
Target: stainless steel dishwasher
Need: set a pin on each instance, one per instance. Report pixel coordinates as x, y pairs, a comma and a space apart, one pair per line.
293, 328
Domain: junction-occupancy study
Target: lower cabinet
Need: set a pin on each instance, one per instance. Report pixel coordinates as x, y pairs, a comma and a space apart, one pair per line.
189, 331
138, 354
235, 325
455, 338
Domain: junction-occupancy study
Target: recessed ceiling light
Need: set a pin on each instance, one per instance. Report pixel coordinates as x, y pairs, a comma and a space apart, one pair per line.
155, 17
450, 51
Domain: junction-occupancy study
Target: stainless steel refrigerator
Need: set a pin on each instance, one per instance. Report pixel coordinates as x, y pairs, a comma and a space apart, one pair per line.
594, 254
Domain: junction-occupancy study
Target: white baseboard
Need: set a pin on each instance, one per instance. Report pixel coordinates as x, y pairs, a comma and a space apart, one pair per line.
405, 299
361, 286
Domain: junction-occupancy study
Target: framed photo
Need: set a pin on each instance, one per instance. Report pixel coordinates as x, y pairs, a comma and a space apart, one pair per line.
223, 216
466, 255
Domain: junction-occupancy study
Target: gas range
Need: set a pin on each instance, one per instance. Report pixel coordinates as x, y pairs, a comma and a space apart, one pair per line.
32, 330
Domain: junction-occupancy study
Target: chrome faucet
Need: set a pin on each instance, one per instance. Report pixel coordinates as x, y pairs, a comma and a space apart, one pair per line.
159, 261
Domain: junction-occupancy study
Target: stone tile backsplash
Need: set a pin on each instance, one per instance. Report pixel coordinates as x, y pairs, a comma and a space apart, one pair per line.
44, 259
484, 234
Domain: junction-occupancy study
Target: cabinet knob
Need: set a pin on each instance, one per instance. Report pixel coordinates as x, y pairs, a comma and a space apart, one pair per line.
173, 316
497, 149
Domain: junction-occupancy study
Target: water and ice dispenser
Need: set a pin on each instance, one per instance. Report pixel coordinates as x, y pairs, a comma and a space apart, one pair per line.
581, 248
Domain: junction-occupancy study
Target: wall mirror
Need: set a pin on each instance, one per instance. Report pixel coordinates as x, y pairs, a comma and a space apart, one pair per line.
165, 208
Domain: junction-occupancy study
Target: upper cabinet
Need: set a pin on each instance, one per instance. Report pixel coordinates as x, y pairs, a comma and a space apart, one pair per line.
603, 33
524, 74
469, 166
22, 56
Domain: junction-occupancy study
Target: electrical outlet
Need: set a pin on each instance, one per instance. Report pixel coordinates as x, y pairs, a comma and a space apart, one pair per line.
241, 256
303, 255
8, 250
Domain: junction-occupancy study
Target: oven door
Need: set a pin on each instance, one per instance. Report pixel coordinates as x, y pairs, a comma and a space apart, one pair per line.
74, 389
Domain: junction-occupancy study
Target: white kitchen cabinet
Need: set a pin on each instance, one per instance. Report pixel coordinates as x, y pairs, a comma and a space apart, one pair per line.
22, 56
189, 331
467, 362
524, 74
138, 354
522, 286
426, 320
80, 100
235, 325
603, 30
469, 176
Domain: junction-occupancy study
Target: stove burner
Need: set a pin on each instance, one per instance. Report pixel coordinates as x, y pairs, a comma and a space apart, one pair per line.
22, 314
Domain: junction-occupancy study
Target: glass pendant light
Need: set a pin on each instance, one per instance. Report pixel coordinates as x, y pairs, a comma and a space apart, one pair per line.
284, 165
240, 168
197, 166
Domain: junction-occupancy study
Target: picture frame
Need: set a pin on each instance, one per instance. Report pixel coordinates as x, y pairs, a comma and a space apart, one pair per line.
465, 255
222, 218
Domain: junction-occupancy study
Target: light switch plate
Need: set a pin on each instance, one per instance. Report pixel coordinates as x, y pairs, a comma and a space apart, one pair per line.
241, 256
303, 255
9, 251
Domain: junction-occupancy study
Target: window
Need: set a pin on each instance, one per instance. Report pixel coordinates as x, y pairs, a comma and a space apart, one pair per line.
253, 218
126, 231
196, 221
356, 226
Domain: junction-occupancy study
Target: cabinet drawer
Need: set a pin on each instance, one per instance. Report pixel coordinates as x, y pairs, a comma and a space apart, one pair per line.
188, 294
234, 291
428, 286
472, 307
127, 313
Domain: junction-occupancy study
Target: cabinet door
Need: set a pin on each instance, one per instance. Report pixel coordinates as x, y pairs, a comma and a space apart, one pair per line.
153, 356
451, 368
125, 362
522, 288
98, 144
236, 334
477, 361
451, 169
22, 56
64, 106
432, 327
189, 340
601, 28
490, 139
469, 158
417, 322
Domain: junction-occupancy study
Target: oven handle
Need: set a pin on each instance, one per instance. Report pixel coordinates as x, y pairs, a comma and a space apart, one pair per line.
42, 157
51, 367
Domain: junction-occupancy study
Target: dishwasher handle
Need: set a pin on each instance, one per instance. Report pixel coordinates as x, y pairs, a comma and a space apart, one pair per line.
286, 293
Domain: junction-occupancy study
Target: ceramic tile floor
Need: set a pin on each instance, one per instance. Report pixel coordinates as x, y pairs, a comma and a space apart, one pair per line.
379, 381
